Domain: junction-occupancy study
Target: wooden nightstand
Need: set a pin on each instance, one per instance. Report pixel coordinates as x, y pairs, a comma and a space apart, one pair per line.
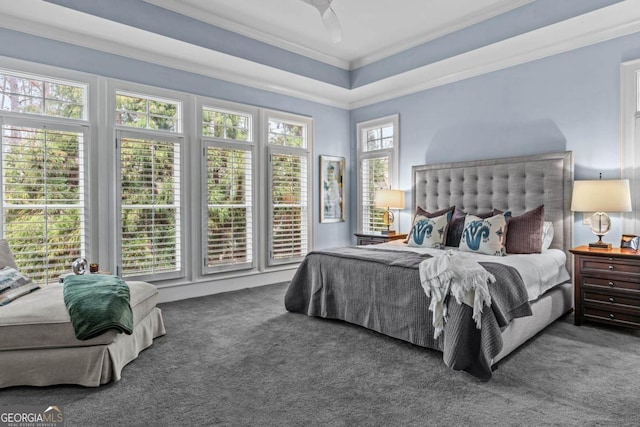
374, 239
607, 286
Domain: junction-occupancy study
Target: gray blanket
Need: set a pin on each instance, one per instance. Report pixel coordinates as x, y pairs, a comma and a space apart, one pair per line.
381, 290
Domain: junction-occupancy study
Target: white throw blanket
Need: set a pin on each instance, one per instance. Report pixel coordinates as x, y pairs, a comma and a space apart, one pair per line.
454, 273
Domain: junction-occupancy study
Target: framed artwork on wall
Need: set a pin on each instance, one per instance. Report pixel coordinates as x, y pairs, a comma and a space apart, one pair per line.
332, 189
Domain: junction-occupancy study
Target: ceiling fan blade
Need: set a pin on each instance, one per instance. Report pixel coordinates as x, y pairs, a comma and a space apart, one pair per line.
329, 18
332, 24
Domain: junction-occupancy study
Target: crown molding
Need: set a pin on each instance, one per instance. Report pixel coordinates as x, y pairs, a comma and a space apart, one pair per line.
44, 19
227, 24
466, 21
614, 21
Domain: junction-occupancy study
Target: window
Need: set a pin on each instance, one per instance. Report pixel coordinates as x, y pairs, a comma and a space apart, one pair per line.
149, 180
229, 153
378, 145
21, 93
44, 209
630, 141
288, 139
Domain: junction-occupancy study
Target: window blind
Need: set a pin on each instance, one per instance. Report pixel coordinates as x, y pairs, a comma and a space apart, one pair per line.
290, 204
43, 198
229, 207
374, 176
150, 206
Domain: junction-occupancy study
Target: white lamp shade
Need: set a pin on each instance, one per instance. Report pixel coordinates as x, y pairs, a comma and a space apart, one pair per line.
392, 199
601, 196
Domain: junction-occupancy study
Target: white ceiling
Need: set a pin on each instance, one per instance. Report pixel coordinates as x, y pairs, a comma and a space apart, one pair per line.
371, 29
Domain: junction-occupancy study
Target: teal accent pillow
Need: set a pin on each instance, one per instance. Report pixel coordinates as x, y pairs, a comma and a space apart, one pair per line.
485, 235
429, 232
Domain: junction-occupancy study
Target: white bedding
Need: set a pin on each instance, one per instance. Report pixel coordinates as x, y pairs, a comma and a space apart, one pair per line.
540, 272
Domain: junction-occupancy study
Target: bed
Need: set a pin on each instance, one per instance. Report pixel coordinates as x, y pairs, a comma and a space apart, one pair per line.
380, 288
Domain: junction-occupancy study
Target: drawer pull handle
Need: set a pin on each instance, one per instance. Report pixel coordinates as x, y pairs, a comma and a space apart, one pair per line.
611, 284
611, 299
613, 316
611, 267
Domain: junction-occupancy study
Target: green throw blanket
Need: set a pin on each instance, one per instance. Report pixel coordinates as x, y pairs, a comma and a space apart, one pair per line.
97, 303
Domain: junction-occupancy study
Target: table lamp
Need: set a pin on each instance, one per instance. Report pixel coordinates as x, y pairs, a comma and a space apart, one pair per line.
389, 199
601, 196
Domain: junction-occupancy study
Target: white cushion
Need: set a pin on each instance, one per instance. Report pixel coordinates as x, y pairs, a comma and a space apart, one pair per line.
429, 232
484, 236
547, 235
41, 320
6, 256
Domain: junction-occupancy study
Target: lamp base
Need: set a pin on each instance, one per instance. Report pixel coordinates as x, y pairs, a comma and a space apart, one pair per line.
600, 245
388, 232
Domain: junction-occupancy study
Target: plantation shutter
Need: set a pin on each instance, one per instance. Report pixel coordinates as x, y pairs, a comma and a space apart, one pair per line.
375, 176
43, 197
229, 243
150, 216
290, 206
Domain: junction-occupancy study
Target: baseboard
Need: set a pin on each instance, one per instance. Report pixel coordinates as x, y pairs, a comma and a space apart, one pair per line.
210, 287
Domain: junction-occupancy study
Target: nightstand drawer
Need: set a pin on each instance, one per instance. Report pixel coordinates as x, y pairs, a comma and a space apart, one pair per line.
366, 241
602, 265
623, 300
614, 316
611, 283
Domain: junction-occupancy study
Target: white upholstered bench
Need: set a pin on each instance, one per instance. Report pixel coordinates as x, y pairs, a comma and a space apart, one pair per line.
38, 346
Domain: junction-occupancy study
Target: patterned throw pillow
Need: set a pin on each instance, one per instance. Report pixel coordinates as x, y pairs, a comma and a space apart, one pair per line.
456, 226
421, 212
429, 232
484, 235
14, 284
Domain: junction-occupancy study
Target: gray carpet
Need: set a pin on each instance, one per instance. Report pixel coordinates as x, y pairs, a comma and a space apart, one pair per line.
240, 359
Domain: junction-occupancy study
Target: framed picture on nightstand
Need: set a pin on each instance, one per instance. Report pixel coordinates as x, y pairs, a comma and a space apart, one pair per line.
630, 241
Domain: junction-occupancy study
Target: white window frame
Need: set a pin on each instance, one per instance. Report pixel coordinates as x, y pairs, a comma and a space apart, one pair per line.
88, 123
630, 140
253, 146
47, 122
119, 87
266, 189
393, 153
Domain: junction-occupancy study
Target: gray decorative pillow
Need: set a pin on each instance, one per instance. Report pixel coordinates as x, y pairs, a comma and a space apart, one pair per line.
484, 235
6, 256
524, 232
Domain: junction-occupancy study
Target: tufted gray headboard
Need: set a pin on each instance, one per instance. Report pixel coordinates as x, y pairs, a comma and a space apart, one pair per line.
514, 183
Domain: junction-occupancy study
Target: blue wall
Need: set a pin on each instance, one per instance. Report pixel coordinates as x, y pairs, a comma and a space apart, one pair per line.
529, 17
331, 125
569, 101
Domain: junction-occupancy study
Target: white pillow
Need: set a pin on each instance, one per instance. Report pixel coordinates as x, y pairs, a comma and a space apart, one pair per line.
429, 232
6, 256
547, 235
484, 236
